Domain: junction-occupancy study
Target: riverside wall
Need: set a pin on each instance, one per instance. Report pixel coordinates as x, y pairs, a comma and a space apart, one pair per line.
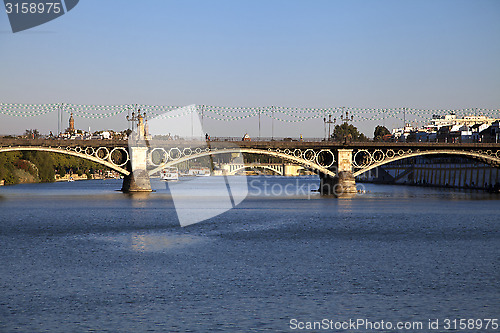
467, 175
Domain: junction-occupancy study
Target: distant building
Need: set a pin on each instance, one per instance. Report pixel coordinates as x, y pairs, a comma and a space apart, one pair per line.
491, 134
401, 134
106, 135
449, 128
71, 129
476, 120
438, 121
451, 119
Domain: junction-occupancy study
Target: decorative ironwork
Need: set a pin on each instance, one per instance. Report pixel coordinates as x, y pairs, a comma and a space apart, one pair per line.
321, 160
116, 158
367, 159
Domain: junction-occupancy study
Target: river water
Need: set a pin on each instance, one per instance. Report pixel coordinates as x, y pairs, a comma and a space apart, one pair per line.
81, 256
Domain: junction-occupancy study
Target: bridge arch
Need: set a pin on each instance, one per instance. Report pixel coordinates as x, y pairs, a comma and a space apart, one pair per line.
490, 159
297, 160
106, 163
248, 166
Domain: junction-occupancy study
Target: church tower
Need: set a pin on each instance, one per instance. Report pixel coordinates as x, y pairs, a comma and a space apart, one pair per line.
71, 124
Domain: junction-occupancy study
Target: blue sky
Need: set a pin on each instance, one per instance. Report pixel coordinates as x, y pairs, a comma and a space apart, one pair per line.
440, 54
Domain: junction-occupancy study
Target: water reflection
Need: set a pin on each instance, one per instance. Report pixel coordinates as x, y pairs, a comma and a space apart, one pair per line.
151, 242
139, 199
345, 205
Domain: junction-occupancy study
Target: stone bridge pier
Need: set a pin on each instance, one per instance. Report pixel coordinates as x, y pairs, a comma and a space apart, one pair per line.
343, 185
138, 179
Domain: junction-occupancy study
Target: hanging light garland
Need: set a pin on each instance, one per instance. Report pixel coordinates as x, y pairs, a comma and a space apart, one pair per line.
224, 113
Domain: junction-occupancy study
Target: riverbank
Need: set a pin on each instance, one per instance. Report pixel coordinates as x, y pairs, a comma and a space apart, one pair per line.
26, 178
42, 167
74, 177
465, 176
493, 189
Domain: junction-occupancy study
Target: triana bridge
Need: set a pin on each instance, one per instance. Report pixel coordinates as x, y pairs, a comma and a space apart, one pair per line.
337, 164
282, 169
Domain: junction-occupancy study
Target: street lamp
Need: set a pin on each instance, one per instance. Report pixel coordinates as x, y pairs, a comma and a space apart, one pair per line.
139, 118
329, 121
344, 117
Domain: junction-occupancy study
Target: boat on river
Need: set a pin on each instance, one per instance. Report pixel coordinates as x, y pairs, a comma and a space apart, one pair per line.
169, 174
199, 172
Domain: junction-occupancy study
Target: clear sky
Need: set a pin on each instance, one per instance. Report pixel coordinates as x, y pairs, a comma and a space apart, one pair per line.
435, 54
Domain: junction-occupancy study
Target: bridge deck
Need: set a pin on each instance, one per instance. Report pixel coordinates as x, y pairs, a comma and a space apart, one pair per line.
364, 145
251, 144
6, 142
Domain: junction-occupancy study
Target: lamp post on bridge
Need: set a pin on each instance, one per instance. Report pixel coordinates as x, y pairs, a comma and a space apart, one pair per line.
138, 179
343, 184
329, 122
140, 119
345, 118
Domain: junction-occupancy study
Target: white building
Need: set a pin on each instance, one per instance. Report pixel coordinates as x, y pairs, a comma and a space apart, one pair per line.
106, 135
400, 134
438, 121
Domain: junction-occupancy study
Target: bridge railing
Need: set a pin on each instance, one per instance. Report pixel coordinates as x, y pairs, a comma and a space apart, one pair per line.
267, 139
61, 142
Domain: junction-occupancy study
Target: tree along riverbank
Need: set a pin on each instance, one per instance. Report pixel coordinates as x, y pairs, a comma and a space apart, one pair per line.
43, 167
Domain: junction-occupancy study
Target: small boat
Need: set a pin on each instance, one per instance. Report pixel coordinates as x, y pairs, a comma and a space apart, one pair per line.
169, 174
203, 175
199, 172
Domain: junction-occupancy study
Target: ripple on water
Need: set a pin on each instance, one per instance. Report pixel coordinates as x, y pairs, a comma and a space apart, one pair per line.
150, 241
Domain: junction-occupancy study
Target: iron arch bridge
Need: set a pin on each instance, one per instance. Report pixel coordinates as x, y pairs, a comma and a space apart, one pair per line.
364, 160
319, 161
276, 168
325, 160
115, 158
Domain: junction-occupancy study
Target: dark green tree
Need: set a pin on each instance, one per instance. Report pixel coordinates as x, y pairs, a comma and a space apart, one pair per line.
7, 167
380, 132
44, 163
61, 171
348, 133
32, 133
